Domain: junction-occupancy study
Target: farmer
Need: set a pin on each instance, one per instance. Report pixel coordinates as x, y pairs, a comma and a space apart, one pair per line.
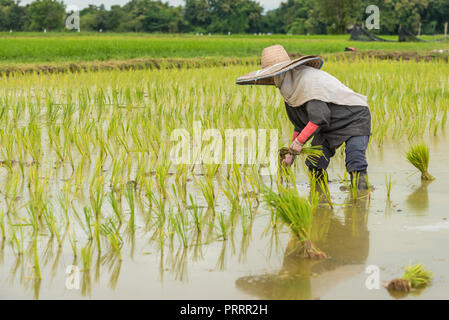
320, 108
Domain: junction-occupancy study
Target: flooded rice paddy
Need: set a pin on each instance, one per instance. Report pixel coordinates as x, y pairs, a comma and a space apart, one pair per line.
411, 227
89, 197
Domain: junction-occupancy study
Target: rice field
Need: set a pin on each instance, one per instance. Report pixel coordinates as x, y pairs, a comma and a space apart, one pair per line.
19, 48
87, 179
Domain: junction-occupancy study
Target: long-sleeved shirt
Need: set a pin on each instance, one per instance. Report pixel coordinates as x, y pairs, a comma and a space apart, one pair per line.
336, 123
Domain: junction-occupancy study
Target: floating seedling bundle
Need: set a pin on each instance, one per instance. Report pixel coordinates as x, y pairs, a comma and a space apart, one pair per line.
418, 155
414, 277
297, 213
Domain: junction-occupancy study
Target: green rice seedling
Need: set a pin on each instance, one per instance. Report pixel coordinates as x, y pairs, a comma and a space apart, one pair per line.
37, 268
354, 186
38, 196
161, 178
52, 224
181, 180
297, 213
324, 187
86, 257
388, 183
210, 170
130, 198
64, 200
207, 188
2, 224
222, 225
244, 222
180, 224
88, 218
232, 189
417, 275
149, 194
253, 178
72, 240
414, 277
418, 156
111, 231
115, 207
17, 239
197, 215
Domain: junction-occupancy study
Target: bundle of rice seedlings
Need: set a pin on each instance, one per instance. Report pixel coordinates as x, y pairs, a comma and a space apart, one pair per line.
312, 152
297, 213
413, 277
418, 155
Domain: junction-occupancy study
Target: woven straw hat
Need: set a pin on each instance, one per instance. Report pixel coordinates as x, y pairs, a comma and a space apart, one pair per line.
275, 60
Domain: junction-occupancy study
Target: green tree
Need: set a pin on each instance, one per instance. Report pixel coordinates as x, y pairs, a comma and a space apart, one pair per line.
338, 14
198, 14
12, 15
155, 16
235, 16
46, 14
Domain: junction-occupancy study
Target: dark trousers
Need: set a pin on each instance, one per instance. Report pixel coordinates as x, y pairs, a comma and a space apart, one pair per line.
355, 158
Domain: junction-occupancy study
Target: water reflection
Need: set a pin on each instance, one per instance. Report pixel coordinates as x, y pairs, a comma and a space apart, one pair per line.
418, 200
344, 239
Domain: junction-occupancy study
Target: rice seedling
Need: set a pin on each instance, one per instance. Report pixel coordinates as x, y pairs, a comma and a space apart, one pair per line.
222, 225
115, 207
297, 213
37, 268
52, 224
130, 198
179, 223
197, 215
414, 277
161, 178
324, 188
388, 183
232, 188
86, 257
207, 188
417, 275
2, 224
181, 180
111, 231
72, 240
418, 156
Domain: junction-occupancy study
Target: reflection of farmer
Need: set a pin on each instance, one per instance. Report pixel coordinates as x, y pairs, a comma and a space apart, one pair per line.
345, 241
318, 105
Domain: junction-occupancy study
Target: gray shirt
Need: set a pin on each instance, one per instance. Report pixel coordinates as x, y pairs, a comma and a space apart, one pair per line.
336, 123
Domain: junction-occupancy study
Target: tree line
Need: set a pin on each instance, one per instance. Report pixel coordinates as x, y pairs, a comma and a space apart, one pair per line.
224, 16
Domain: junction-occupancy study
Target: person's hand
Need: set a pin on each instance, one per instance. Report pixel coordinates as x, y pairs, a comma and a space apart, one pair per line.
288, 160
295, 147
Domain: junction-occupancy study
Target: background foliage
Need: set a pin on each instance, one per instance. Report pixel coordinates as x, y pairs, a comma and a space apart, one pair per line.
224, 16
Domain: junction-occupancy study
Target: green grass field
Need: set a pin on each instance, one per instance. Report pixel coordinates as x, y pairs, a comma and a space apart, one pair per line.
16, 48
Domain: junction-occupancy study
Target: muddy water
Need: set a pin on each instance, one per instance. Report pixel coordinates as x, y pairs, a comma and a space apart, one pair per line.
411, 227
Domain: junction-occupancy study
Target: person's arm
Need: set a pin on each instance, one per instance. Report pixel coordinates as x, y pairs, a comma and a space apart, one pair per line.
319, 117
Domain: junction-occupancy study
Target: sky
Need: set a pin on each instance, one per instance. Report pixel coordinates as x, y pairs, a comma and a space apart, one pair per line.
267, 4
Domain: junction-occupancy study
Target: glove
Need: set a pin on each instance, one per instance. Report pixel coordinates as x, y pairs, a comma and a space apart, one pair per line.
295, 147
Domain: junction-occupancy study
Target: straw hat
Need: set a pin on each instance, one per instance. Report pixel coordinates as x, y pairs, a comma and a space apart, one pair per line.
275, 60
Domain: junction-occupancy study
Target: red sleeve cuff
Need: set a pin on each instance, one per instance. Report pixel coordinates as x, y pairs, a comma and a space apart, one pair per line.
295, 134
309, 129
